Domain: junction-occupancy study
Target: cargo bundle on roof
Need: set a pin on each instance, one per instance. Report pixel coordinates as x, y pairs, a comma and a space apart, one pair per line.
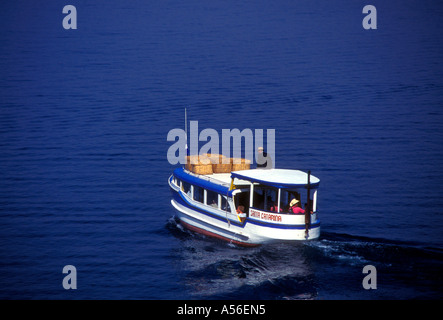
240, 164
198, 164
215, 163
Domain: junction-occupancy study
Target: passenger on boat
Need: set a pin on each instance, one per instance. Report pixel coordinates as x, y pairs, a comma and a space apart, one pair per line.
263, 159
274, 208
241, 213
294, 207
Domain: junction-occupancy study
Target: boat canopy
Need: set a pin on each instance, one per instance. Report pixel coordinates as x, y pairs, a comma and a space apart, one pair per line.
279, 178
202, 181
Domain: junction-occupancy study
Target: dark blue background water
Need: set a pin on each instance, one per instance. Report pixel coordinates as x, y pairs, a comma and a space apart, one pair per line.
84, 116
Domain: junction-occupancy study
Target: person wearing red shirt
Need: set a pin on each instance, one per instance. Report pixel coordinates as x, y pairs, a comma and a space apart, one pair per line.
294, 207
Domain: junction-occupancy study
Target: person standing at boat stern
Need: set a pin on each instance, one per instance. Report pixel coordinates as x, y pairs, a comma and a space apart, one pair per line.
264, 160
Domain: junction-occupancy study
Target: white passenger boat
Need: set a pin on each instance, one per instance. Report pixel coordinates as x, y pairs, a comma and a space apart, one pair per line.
247, 207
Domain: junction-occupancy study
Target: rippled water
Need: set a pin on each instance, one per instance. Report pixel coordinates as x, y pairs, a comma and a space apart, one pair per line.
84, 116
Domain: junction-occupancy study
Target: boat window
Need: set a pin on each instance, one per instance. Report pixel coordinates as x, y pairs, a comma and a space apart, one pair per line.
259, 199
242, 199
265, 198
198, 193
212, 198
286, 197
301, 195
271, 199
224, 204
186, 187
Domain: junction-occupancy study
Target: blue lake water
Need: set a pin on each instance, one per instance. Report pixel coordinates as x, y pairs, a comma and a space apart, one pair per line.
84, 116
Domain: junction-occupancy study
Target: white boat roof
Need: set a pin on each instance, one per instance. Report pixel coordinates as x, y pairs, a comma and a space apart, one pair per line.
277, 177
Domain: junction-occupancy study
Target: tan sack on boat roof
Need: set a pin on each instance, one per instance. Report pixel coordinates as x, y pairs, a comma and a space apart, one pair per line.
240, 164
213, 163
200, 168
197, 160
222, 168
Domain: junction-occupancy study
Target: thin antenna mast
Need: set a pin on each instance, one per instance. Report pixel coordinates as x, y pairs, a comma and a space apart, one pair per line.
186, 131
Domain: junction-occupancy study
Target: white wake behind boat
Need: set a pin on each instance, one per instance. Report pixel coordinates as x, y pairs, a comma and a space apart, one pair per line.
247, 207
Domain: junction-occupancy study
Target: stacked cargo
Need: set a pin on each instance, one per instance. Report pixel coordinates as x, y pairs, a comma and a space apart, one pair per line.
215, 163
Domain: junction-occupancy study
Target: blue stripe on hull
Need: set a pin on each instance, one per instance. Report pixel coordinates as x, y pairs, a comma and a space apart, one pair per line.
284, 226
